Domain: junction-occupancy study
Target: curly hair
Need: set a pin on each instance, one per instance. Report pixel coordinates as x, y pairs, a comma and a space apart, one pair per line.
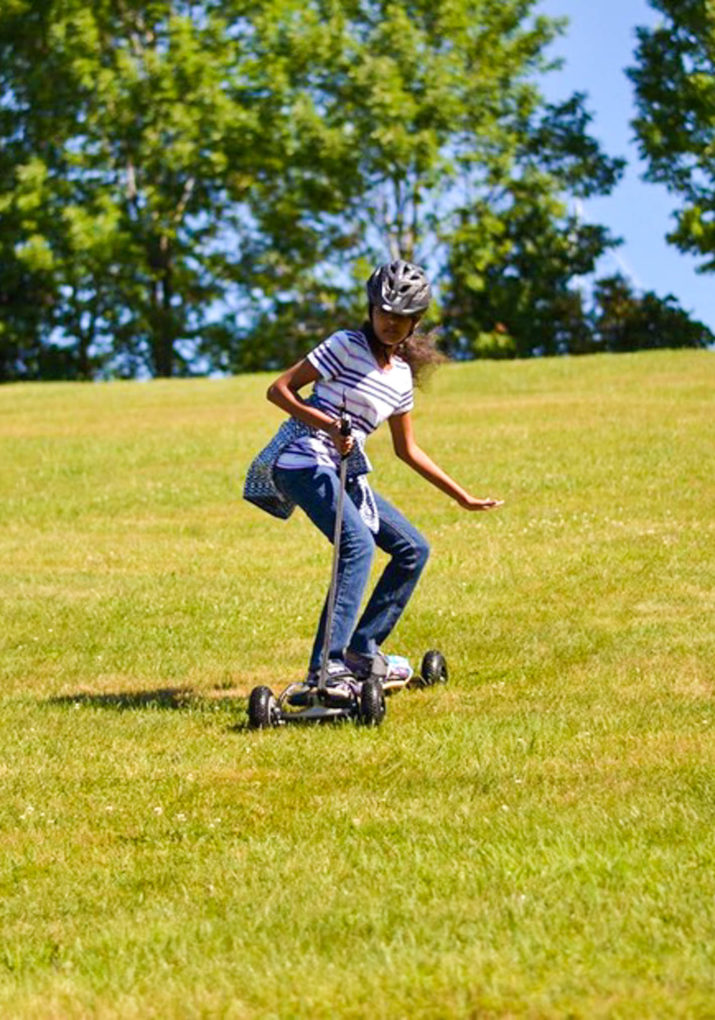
421, 353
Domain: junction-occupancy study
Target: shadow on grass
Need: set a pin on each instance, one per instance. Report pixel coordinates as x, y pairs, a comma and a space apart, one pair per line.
163, 698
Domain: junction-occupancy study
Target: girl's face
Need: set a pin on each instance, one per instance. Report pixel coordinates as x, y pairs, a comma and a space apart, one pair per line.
391, 329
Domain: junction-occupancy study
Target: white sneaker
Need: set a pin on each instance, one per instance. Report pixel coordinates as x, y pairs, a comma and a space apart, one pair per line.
386, 668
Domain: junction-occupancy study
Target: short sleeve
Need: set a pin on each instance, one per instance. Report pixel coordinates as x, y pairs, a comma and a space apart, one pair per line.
407, 402
407, 398
331, 357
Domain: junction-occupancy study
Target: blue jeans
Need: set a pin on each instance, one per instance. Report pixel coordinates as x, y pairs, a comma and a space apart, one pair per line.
315, 490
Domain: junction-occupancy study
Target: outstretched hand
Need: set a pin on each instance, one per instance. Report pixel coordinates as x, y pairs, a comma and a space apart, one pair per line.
468, 502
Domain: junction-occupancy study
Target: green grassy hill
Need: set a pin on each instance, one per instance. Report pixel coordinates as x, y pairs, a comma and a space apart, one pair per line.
535, 839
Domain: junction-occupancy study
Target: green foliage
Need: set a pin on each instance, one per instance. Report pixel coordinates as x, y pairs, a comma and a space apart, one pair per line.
287, 330
194, 186
513, 258
497, 344
625, 321
138, 131
564, 321
462, 165
616, 318
674, 80
526, 287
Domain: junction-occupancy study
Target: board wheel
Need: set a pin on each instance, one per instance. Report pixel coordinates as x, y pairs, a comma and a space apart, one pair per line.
372, 703
263, 710
434, 668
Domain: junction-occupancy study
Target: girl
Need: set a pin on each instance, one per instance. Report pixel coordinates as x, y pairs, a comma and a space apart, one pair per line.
369, 371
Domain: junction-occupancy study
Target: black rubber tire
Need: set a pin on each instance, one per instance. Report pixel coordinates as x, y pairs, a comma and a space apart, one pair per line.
263, 711
372, 703
434, 668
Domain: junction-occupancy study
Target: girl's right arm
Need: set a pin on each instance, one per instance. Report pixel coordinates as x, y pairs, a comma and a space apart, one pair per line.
284, 393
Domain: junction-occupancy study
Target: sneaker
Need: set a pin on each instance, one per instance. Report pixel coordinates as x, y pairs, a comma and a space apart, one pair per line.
303, 694
364, 666
337, 671
386, 668
340, 685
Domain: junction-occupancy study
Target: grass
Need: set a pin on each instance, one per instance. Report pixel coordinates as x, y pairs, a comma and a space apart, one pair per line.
533, 840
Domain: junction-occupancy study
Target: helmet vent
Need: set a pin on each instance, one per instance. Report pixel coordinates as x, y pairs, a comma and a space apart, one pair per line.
400, 287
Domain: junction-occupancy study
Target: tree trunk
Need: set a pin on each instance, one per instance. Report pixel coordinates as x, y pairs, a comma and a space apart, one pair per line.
162, 341
84, 369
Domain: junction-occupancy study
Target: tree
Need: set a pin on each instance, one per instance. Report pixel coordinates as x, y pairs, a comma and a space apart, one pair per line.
674, 82
462, 165
189, 181
515, 257
27, 284
139, 137
625, 321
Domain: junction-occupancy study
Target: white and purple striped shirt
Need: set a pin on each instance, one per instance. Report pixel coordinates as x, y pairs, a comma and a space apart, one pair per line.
349, 371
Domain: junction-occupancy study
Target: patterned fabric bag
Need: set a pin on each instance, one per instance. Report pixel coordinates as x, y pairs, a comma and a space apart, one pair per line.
260, 487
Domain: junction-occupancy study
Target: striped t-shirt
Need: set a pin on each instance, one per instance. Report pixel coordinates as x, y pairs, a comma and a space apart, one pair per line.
349, 371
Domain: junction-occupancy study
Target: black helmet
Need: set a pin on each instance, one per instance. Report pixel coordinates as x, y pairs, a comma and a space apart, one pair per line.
399, 287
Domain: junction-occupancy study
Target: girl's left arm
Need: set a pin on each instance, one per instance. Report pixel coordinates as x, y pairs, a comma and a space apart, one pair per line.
406, 448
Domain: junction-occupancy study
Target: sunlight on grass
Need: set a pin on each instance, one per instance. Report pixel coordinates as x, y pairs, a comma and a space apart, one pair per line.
534, 839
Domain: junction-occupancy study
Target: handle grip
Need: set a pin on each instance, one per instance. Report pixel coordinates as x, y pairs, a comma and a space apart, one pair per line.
346, 427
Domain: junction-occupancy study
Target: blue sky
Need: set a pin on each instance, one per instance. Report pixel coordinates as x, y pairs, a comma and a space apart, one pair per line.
598, 44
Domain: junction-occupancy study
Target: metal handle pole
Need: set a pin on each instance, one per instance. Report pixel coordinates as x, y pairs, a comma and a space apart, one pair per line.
345, 430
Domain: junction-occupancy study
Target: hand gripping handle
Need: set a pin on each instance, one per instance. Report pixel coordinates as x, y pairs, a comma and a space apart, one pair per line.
346, 425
